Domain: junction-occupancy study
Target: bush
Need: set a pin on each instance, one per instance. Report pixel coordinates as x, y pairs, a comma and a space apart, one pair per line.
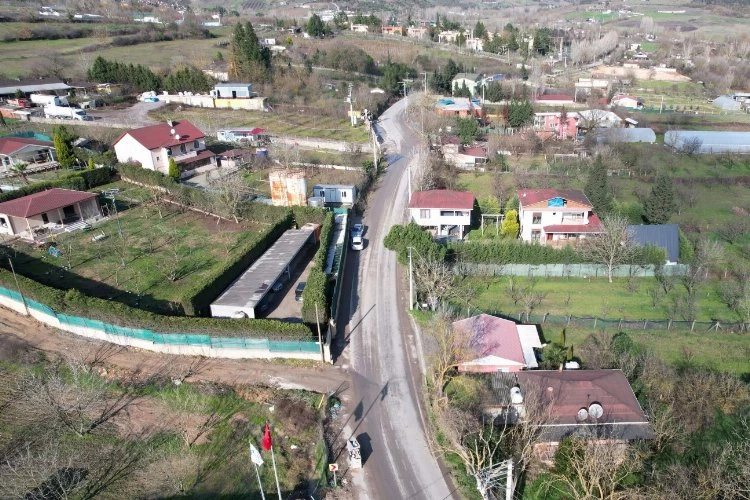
514, 252
75, 303
400, 238
319, 288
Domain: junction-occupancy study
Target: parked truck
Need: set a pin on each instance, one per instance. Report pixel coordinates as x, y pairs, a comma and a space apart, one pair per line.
65, 113
19, 102
46, 100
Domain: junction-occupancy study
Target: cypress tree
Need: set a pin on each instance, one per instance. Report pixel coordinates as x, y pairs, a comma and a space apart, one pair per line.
597, 188
174, 171
660, 204
62, 150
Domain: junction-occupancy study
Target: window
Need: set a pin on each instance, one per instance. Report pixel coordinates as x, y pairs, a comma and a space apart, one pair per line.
196, 144
169, 151
536, 235
536, 218
447, 213
343, 194
183, 149
3, 222
424, 213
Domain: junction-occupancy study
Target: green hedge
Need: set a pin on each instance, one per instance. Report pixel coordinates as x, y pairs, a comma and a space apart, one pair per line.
75, 303
197, 301
318, 288
79, 181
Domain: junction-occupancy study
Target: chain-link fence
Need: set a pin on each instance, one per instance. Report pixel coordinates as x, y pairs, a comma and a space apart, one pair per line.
565, 270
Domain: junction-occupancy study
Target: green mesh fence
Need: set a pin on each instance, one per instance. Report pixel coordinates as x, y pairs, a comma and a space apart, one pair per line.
565, 270
188, 339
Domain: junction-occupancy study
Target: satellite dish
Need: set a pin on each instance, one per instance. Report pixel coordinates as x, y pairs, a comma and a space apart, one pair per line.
515, 395
172, 131
582, 415
596, 410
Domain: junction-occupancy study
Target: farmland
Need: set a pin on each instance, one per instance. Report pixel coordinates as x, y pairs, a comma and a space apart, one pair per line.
162, 252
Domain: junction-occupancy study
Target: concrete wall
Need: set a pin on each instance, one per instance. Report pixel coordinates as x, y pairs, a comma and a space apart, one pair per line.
321, 144
207, 101
179, 349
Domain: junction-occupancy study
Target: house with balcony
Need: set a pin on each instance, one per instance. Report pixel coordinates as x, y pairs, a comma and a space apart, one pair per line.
556, 216
554, 124
33, 153
393, 30
154, 145
442, 212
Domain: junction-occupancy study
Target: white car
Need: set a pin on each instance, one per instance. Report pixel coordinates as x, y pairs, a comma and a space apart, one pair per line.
358, 242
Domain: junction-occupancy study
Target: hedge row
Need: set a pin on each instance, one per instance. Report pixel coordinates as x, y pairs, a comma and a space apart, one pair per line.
518, 252
318, 288
197, 300
74, 302
79, 181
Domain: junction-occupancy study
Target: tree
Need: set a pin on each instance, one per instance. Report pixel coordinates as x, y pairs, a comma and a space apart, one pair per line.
597, 187
614, 246
510, 225
480, 31
519, 113
462, 91
660, 205
315, 26
90, 164
20, 167
543, 40
433, 279
174, 170
467, 129
64, 153
188, 78
247, 59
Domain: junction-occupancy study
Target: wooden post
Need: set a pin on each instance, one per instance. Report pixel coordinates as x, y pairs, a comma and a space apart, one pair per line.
692, 327
320, 336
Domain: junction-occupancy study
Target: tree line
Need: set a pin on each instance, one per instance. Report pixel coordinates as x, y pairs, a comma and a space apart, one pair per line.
143, 79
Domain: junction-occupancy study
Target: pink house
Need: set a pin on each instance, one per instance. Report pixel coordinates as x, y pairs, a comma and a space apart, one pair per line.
498, 344
552, 124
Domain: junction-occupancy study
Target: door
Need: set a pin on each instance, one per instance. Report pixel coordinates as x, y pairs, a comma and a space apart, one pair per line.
69, 212
234, 94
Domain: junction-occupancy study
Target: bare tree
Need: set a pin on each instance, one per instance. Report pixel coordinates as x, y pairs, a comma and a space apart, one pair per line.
228, 192
434, 279
451, 346
613, 247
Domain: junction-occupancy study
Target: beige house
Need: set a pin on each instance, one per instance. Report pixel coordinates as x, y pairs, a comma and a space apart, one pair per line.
45, 211
23, 150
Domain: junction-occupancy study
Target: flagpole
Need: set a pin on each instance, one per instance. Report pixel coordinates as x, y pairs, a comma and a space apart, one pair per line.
276, 475
260, 486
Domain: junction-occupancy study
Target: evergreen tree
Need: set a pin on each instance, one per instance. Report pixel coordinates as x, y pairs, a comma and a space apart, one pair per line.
63, 151
660, 205
315, 26
247, 60
510, 226
480, 31
519, 113
467, 129
174, 171
597, 188
91, 165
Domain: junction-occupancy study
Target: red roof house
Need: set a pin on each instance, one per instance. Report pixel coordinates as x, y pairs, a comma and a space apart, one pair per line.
15, 150
497, 344
29, 215
444, 212
154, 145
556, 216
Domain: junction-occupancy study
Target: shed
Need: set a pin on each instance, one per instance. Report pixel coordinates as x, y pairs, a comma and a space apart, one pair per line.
336, 194
727, 103
666, 236
233, 91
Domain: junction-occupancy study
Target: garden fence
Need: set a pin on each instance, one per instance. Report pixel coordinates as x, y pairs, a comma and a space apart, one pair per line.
177, 343
564, 270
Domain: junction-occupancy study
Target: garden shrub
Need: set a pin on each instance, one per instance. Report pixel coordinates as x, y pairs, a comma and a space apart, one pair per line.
319, 288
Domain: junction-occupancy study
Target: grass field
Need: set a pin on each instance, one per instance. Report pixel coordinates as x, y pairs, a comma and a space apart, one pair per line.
311, 123
151, 267
166, 441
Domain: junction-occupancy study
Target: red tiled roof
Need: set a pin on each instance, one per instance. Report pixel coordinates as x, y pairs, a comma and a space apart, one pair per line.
594, 226
531, 196
200, 156
158, 136
450, 139
43, 201
492, 336
236, 153
442, 198
9, 145
572, 390
619, 97
476, 151
554, 97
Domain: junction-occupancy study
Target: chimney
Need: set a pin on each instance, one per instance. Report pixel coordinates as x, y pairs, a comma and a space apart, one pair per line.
170, 123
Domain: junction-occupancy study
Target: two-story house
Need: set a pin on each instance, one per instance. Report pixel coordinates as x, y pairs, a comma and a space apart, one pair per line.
553, 124
444, 212
153, 146
556, 216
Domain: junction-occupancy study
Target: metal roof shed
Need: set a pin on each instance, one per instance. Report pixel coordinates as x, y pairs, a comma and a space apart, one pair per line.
708, 141
241, 298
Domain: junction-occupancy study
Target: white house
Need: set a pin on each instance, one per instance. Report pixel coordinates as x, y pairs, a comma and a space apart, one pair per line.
471, 80
442, 211
335, 194
153, 146
626, 101
555, 216
359, 28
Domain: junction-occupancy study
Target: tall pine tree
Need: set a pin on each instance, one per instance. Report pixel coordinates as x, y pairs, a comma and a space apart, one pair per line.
597, 188
660, 205
63, 151
247, 60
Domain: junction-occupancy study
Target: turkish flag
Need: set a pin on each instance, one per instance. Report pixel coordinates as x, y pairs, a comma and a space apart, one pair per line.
267, 438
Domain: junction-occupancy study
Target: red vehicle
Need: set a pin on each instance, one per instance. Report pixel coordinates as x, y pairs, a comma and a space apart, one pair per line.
20, 102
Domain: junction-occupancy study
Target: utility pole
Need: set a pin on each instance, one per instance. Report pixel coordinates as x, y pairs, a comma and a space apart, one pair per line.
404, 82
18, 287
352, 118
425, 82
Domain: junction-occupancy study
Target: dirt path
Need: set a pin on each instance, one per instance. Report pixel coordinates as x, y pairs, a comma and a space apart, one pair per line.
19, 335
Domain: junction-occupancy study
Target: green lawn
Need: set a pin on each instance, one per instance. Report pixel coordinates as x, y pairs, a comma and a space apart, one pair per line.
311, 123
151, 267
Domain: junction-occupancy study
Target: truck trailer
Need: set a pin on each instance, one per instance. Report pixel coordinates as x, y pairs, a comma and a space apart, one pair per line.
65, 113
46, 100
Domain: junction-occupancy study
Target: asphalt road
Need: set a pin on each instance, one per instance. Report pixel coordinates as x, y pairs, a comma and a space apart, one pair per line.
383, 349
